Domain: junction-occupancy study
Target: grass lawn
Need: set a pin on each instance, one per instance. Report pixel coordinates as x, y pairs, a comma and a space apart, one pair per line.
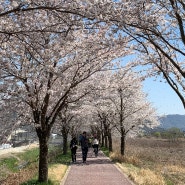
22, 168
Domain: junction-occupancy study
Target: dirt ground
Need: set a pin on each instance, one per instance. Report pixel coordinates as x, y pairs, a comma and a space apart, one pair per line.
10, 151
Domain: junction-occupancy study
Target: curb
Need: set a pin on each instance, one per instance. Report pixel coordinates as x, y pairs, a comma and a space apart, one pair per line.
65, 176
118, 166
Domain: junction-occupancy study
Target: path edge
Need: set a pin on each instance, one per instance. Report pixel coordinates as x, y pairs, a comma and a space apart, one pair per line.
118, 166
65, 176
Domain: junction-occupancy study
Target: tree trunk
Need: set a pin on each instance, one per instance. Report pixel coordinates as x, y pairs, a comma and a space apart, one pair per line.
106, 142
65, 147
123, 134
65, 136
43, 157
110, 140
102, 140
99, 133
123, 144
105, 132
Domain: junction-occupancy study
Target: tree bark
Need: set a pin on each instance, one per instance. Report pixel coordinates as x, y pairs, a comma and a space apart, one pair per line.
106, 142
105, 132
102, 140
43, 156
110, 140
123, 137
65, 136
122, 130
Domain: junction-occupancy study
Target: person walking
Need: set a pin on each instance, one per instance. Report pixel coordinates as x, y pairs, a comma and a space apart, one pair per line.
73, 147
84, 146
95, 146
79, 139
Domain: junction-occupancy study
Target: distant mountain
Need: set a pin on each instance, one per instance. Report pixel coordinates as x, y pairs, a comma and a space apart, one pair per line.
172, 120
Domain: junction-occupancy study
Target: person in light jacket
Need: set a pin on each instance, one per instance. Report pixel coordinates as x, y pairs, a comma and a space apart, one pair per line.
95, 145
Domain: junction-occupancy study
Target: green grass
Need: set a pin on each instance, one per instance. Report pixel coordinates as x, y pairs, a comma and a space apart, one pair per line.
8, 166
105, 151
35, 182
55, 157
9, 163
30, 155
64, 159
168, 180
13, 164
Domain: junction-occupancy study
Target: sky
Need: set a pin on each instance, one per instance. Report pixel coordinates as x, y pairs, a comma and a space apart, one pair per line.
163, 98
160, 94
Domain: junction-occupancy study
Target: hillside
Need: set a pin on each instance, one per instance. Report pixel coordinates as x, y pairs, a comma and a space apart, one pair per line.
174, 120
168, 121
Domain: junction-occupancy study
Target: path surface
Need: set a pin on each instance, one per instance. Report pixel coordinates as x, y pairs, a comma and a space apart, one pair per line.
97, 171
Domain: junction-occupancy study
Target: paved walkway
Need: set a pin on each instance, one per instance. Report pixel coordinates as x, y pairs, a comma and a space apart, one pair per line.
96, 171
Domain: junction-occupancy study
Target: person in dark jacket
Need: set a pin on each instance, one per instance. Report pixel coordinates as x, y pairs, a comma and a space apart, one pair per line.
79, 139
73, 147
84, 145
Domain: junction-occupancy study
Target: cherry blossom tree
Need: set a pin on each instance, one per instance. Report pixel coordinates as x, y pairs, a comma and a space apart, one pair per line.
50, 47
132, 110
65, 119
120, 103
165, 45
157, 29
97, 109
68, 122
44, 57
43, 69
